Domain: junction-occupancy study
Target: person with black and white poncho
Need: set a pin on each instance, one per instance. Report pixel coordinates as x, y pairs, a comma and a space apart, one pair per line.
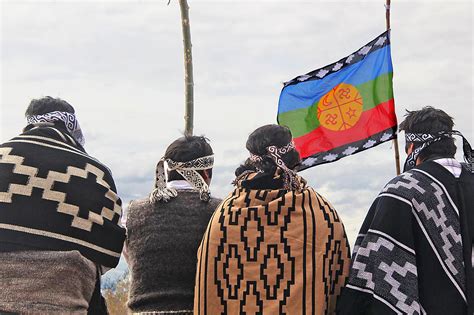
59, 217
164, 229
414, 251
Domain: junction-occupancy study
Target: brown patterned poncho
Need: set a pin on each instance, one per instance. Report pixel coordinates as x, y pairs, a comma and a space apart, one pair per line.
271, 251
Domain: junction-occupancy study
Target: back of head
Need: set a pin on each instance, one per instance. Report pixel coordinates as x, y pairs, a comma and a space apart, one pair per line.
186, 149
429, 120
258, 142
46, 105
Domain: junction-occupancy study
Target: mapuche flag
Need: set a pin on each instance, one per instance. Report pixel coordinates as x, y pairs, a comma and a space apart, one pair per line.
343, 108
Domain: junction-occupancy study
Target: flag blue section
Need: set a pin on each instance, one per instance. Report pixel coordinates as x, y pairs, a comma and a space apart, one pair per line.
305, 94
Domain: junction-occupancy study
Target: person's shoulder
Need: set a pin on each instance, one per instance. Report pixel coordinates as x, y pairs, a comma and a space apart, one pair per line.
404, 180
139, 204
214, 202
468, 169
312, 191
401, 177
317, 196
404, 188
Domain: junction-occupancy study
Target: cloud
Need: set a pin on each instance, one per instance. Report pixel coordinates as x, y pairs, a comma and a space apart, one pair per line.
121, 65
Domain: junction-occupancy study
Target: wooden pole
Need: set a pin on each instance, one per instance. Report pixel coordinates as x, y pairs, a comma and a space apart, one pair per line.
397, 155
188, 69
387, 14
395, 141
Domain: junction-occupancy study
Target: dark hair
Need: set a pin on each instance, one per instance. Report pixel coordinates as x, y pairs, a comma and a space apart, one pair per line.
185, 149
430, 120
257, 144
48, 104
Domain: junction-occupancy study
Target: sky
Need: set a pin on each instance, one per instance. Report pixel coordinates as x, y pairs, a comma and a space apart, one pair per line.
120, 64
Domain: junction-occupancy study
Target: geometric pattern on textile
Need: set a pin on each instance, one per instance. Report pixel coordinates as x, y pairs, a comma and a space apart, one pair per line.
276, 263
389, 271
354, 58
347, 149
333, 258
69, 119
51, 192
272, 251
54, 196
437, 216
353, 93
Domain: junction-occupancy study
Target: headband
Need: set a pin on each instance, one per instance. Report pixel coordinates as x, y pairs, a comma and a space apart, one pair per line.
429, 139
189, 172
291, 180
69, 120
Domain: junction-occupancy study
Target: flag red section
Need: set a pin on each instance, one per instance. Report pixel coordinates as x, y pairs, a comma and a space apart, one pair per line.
371, 122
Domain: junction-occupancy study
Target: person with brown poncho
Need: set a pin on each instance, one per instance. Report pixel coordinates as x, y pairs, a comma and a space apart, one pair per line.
274, 246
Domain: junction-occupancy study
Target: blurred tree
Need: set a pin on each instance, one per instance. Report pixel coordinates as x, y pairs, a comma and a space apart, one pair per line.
117, 299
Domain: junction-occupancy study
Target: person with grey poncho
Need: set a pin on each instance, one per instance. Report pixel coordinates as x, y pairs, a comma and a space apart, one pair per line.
164, 230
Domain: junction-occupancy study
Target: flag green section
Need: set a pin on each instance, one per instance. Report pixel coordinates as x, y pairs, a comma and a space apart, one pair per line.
304, 120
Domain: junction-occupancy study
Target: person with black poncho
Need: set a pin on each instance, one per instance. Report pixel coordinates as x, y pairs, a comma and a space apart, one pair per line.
59, 217
413, 254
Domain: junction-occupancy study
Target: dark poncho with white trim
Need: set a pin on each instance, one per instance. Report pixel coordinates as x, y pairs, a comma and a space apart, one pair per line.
413, 253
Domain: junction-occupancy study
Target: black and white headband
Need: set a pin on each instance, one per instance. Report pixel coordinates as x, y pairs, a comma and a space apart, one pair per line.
429, 139
291, 179
69, 120
189, 172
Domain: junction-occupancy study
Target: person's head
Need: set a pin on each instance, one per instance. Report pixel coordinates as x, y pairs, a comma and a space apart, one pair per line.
258, 142
186, 149
46, 105
429, 120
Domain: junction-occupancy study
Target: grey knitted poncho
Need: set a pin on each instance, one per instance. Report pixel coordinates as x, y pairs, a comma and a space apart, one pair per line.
162, 242
46, 282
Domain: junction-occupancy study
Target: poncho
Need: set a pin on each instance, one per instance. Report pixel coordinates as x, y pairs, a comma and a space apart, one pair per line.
271, 251
54, 196
413, 253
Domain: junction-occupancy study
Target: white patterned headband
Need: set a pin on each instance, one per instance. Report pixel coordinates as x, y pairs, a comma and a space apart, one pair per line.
291, 180
69, 120
189, 171
429, 139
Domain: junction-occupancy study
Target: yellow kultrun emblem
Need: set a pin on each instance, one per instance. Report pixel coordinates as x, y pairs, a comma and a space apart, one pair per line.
341, 108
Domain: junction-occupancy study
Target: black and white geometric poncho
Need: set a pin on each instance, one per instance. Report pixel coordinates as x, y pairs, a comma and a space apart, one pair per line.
413, 253
53, 196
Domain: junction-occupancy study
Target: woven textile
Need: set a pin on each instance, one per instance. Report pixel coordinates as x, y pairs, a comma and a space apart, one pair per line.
53, 196
162, 241
413, 254
428, 139
271, 251
275, 153
69, 119
189, 171
46, 282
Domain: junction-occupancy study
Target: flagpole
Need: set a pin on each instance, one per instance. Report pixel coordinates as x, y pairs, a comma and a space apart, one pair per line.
387, 14
188, 69
395, 141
